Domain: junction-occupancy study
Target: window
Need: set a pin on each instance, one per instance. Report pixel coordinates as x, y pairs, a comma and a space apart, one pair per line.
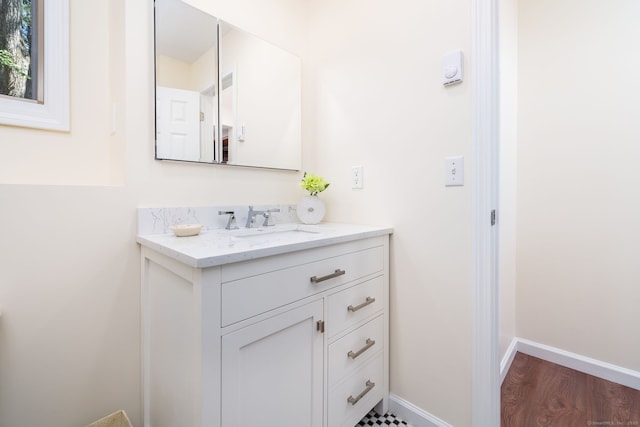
34, 63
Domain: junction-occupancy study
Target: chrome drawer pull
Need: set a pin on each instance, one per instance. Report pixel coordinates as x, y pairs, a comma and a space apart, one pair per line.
366, 302
354, 400
338, 272
368, 345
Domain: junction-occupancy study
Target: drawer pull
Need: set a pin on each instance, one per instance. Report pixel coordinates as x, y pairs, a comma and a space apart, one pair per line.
353, 400
366, 302
338, 272
369, 343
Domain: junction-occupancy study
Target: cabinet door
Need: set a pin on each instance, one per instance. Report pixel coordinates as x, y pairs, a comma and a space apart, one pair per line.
272, 371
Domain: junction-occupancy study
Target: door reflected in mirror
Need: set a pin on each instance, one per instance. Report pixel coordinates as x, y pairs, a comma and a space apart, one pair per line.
223, 95
186, 81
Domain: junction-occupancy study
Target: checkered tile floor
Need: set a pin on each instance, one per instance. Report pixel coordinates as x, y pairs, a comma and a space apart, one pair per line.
373, 419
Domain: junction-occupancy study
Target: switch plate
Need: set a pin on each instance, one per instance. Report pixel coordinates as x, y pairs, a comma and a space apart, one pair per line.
454, 171
356, 177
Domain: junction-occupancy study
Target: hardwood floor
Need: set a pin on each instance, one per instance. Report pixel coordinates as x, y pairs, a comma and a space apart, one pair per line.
539, 393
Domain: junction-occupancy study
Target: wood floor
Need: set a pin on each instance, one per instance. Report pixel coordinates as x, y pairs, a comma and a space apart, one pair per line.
539, 393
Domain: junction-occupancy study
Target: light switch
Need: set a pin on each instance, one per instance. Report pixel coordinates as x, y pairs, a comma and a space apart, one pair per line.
452, 68
454, 171
240, 135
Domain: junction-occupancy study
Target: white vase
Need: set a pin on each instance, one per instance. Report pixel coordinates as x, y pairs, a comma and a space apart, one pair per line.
310, 210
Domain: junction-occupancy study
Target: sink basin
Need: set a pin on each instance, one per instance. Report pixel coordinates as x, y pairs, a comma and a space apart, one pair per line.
262, 231
274, 233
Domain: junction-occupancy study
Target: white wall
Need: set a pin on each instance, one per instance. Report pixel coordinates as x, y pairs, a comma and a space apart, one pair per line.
578, 204
373, 97
173, 73
69, 264
197, 76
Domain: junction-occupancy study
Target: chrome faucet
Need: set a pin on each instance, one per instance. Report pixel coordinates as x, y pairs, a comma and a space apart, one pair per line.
266, 214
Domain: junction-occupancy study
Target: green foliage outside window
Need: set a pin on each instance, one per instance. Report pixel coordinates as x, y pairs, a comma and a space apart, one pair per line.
6, 60
16, 48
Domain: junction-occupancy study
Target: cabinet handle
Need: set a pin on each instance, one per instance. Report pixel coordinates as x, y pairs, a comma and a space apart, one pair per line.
368, 345
366, 302
353, 400
338, 272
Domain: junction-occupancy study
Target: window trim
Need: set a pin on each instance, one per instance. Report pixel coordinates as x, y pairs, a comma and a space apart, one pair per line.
53, 112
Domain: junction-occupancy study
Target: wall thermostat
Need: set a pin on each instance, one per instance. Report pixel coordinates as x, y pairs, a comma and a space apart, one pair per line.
452, 68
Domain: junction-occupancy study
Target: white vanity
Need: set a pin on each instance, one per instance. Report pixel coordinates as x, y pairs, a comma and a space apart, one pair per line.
286, 326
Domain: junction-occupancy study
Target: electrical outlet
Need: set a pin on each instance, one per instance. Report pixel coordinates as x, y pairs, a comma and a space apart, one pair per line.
356, 177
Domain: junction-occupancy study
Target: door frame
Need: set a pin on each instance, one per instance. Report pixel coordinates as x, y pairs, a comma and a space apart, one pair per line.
485, 140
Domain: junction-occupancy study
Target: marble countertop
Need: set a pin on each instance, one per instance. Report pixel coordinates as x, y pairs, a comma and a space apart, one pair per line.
217, 247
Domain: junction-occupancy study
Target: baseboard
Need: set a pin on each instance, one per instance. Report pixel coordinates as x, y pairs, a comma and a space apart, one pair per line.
509, 355
597, 368
412, 414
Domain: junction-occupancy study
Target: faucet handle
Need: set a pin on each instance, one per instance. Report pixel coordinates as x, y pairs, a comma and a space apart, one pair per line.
267, 214
231, 223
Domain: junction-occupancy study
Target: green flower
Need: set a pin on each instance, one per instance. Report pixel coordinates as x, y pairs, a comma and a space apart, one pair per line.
314, 184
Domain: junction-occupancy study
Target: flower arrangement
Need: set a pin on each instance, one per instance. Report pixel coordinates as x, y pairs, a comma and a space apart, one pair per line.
314, 184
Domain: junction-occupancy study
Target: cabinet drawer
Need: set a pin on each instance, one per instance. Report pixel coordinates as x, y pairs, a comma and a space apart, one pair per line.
354, 349
250, 296
348, 307
352, 398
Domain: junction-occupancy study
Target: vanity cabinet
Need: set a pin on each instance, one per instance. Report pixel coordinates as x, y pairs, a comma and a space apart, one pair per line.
299, 338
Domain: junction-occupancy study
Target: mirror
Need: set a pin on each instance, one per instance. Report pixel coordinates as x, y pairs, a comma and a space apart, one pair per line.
223, 95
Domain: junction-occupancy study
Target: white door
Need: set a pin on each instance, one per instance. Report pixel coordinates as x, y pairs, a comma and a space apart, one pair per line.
272, 371
177, 124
